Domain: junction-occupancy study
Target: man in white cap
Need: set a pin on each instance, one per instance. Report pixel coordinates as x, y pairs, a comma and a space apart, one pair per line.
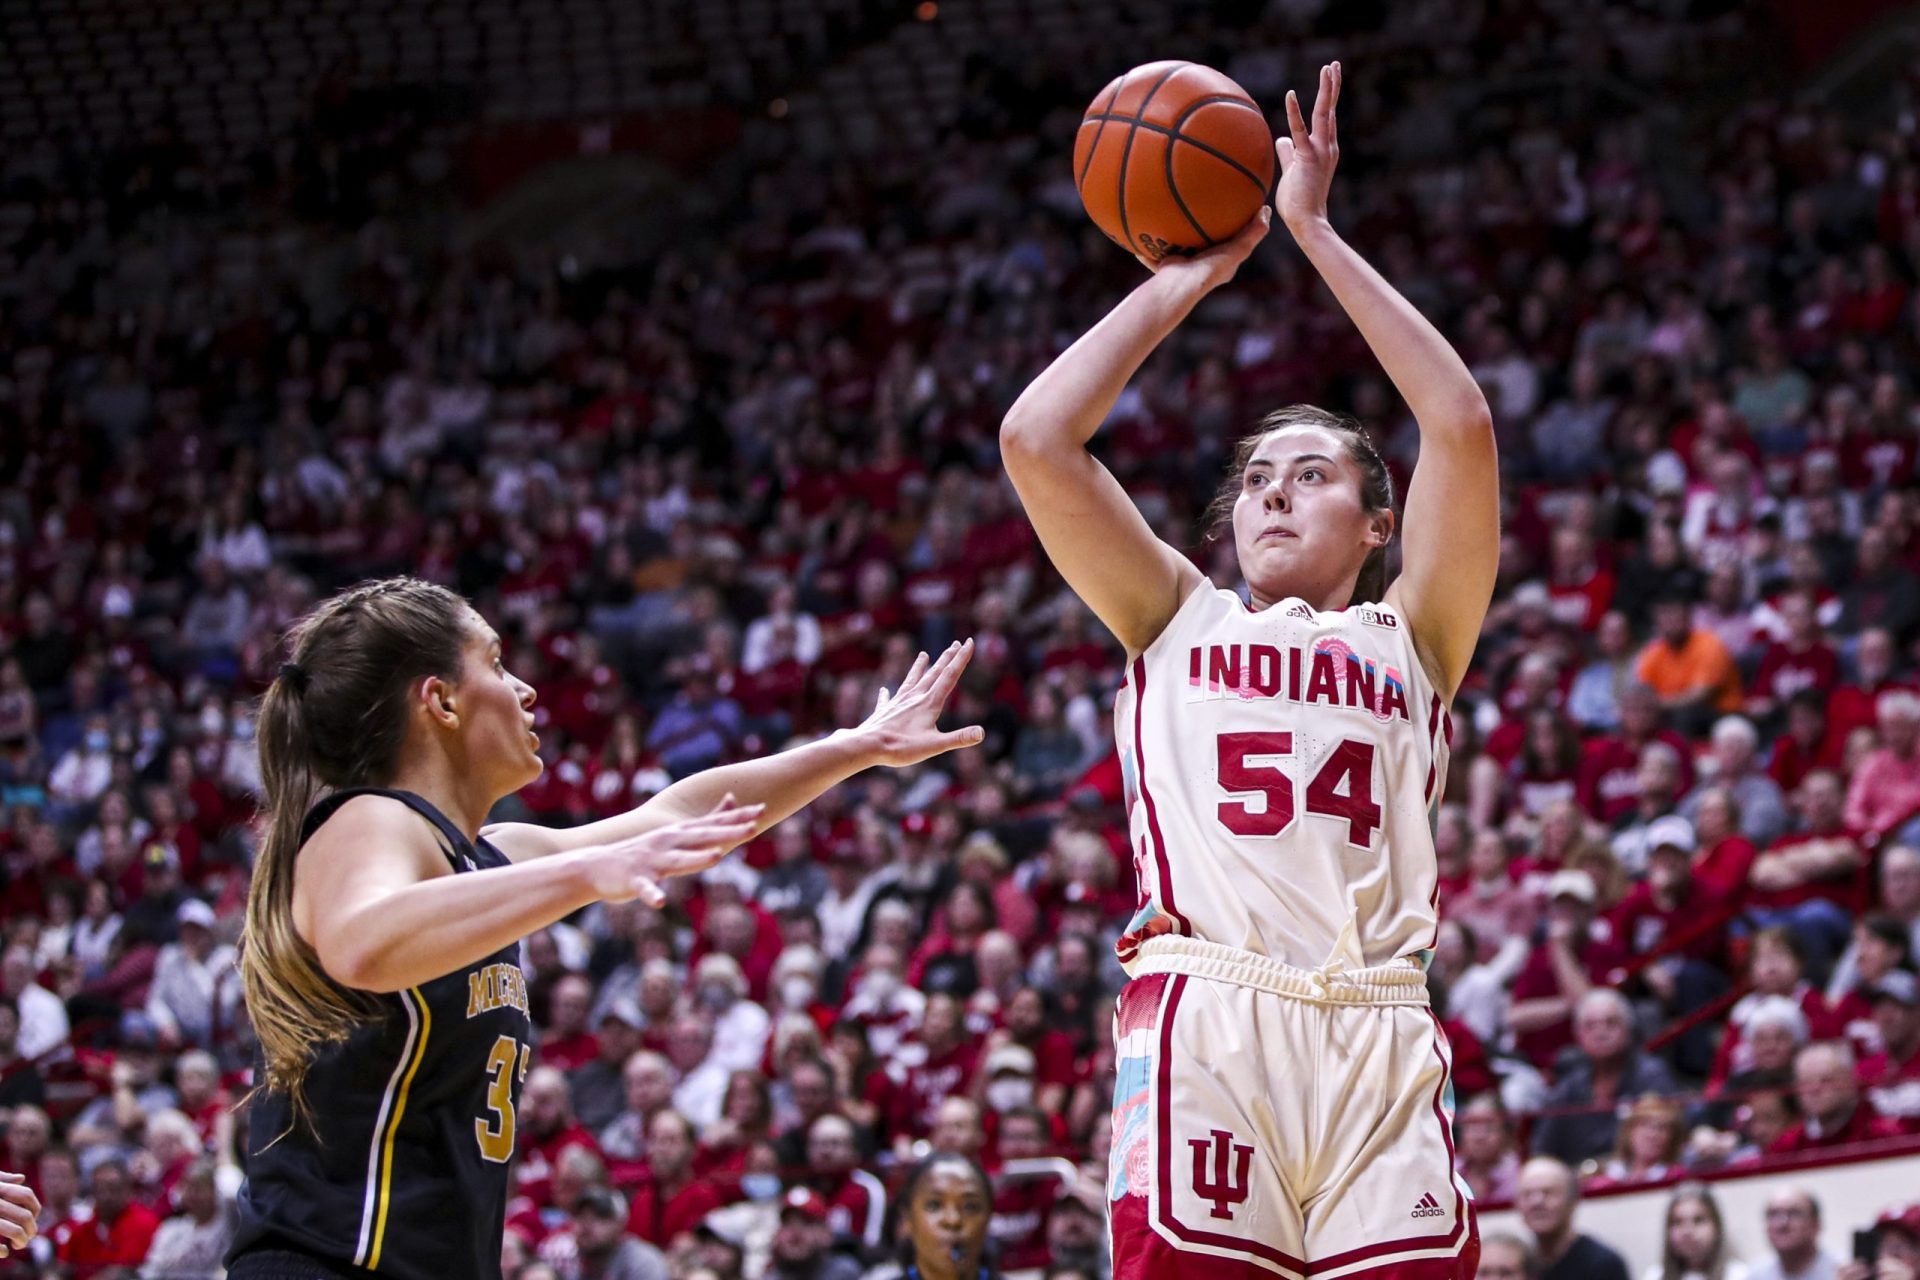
195, 983
1566, 962
1671, 910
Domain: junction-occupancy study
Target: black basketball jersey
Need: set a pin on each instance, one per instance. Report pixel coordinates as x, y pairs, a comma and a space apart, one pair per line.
408, 1174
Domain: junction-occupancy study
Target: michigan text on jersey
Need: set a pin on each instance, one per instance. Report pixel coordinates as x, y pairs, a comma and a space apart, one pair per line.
497, 986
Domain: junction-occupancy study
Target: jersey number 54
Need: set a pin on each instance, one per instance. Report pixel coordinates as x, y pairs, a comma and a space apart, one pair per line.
1343, 787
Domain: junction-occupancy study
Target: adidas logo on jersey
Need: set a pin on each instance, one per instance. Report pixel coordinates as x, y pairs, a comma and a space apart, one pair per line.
1428, 1207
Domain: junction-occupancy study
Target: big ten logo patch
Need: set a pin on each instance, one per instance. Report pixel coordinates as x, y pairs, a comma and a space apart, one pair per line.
1378, 618
1221, 1168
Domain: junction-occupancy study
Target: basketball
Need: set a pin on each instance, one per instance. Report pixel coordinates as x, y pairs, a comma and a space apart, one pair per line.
1173, 157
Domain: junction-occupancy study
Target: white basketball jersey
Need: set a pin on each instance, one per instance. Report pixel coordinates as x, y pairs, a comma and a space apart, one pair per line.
1281, 772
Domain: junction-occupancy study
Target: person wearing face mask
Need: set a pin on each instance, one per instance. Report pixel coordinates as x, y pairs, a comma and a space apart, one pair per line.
796, 984
740, 1027
82, 775
1009, 1080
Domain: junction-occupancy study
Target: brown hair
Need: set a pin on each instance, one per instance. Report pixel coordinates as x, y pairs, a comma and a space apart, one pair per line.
334, 718
1376, 485
1672, 1267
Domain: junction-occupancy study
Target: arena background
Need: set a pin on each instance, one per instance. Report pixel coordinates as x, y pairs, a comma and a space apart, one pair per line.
677, 337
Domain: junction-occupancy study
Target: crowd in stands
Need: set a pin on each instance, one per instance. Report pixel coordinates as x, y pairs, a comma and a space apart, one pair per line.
715, 500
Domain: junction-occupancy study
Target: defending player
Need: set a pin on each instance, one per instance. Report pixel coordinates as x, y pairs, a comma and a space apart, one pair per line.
1282, 1093
383, 932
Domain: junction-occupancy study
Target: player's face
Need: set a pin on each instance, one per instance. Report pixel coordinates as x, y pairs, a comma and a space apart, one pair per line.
1299, 524
496, 710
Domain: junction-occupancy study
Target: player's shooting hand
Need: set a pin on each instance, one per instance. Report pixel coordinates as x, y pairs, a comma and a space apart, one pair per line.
905, 725
19, 1213
1307, 159
1214, 267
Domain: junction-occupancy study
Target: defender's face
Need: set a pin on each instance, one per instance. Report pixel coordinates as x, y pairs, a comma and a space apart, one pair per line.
496, 709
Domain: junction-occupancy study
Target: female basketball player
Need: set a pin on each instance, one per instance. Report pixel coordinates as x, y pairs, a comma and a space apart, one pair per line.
382, 945
1282, 1085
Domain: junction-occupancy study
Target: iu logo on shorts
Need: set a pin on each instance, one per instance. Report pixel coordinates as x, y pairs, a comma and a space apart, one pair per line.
1222, 1187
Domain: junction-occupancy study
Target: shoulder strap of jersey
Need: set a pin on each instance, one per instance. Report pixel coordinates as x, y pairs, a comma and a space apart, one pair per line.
452, 841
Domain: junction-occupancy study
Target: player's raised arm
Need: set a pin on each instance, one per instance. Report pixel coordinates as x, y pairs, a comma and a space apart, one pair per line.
1092, 531
1450, 534
904, 729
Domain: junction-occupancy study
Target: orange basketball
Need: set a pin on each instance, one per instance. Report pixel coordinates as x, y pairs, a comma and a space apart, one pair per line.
1173, 157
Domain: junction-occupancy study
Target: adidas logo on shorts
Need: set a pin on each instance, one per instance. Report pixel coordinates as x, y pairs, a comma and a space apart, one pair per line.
1428, 1207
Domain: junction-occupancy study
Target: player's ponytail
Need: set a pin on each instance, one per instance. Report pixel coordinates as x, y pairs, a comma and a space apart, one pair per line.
1376, 484
334, 717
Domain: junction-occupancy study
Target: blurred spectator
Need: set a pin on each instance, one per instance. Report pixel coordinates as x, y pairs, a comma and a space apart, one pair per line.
1793, 1232
1605, 1070
1549, 1194
1648, 1147
647, 1090
1690, 669
1897, 1244
1892, 1075
1884, 798
1695, 1241
603, 1248
20, 1080
598, 1087
196, 987
856, 1201
1826, 1080
1811, 880
1506, 1257
191, 1246
43, 1018
1486, 1157
802, 1243
116, 1233
673, 1200
566, 1042
703, 1077
1736, 767
1562, 967
740, 1027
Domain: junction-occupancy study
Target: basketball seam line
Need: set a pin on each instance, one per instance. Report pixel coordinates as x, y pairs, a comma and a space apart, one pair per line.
1094, 150
1126, 224
1215, 152
1173, 187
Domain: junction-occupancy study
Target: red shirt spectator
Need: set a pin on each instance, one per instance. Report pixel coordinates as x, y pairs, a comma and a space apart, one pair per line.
1542, 1012
117, 1233
672, 1200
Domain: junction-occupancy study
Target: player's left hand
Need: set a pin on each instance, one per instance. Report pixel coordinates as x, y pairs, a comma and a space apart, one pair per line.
904, 727
1307, 160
